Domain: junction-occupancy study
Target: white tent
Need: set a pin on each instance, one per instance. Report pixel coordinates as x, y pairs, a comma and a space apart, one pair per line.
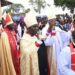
47, 10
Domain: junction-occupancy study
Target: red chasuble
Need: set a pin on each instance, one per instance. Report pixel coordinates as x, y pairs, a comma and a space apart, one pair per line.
72, 57
14, 51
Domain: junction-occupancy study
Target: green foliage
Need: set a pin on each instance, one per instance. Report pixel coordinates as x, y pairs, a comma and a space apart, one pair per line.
38, 4
66, 3
27, 10
12, 8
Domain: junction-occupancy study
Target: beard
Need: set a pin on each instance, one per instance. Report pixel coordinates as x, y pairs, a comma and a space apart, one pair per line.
41, 27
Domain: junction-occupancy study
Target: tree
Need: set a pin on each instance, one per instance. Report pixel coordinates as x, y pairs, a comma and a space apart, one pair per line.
38, 4
15, 8
66, 3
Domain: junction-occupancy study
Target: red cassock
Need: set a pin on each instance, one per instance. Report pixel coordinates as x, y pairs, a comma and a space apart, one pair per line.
14, 51
72, 57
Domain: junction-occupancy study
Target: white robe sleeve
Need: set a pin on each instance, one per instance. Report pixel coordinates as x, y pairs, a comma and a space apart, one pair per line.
44, 31
49, 41
69, 34
64, 62
19, 30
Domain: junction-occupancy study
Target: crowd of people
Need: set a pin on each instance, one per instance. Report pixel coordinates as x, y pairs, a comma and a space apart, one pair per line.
37, 45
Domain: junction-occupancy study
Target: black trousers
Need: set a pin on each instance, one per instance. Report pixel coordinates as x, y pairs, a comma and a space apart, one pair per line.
43, 62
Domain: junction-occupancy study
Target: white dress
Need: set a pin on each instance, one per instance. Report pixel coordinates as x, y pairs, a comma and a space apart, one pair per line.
64, 62
59, 41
